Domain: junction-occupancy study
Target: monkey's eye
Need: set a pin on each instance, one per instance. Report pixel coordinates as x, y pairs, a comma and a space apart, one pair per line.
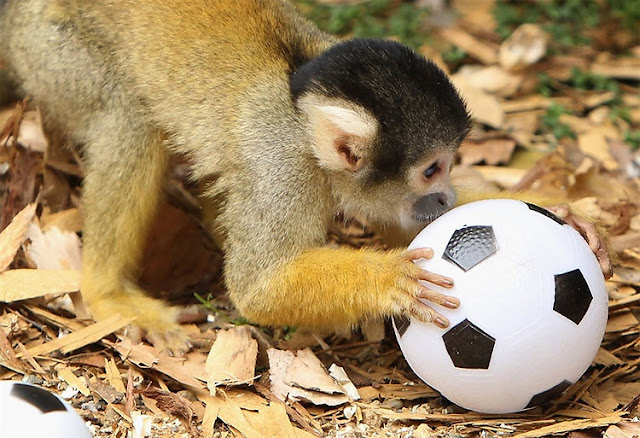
432, 170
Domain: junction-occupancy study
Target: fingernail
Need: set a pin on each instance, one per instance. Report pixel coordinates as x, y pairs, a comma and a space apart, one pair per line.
447, 282
441, 322
451, 304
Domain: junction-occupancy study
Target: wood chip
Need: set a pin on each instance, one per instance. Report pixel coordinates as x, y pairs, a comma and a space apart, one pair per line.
620, 70
113, 375
568, 426
13, 235
80, 338
621, 321
22, 284
484, 52
68, 376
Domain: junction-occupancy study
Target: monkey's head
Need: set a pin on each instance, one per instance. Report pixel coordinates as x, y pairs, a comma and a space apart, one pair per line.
385, 123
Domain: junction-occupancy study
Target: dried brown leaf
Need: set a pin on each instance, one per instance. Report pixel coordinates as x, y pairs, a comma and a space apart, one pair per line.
302, 377
232, 359
492, 79
483, 107
594, 142
526, 45
188, 370
231, 414
54, 249
31, 135
491, 151
171, 403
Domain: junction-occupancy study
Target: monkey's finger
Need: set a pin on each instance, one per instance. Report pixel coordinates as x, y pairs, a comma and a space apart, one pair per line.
426, 314
434, 278
596, 243
417, 254
447, 301
134, 334
589, 231
173, 343
562, 211
605, 262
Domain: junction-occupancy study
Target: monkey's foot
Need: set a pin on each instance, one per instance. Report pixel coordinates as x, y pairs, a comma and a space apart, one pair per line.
411, 287
173, 341
589, 231
154, 320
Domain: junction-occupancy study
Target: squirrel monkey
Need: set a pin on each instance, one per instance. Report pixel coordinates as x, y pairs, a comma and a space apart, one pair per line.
291, 124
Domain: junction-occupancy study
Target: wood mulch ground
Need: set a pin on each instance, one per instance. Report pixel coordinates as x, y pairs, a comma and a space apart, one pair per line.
232, 383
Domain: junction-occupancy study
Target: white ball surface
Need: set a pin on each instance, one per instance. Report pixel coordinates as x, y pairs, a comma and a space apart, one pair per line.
30, 411
510, 295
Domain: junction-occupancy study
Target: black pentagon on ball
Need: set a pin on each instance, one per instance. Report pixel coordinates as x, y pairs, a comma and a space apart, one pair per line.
469, 246
37, 397
402, 323
549, 394
573, 296
545, 212
469, 346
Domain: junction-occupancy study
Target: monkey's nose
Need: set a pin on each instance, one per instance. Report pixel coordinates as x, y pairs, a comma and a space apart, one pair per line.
429, 207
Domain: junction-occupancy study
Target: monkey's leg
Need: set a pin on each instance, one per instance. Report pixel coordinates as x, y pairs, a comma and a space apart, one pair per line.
125, 168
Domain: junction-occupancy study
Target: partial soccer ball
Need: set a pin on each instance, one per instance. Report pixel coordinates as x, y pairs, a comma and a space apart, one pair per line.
30, 411
533, 307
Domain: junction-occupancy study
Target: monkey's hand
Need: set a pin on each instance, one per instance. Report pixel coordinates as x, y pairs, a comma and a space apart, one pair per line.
339, 288
413, 273
590, 232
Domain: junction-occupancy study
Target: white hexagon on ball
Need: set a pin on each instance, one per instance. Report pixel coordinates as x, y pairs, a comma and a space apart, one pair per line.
28, 411
533, 307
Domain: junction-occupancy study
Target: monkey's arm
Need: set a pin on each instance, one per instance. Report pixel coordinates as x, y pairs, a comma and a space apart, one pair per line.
278, 271
337, 288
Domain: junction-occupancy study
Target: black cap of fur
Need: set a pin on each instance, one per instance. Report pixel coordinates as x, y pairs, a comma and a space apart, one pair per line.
416, 105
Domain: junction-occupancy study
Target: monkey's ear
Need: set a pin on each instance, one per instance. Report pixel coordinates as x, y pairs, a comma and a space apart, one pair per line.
342, 135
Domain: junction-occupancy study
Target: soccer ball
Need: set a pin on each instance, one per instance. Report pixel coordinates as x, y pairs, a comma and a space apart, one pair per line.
31, 411
533, 307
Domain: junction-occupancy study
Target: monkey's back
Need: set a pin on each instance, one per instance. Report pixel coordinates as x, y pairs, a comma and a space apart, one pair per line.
191, 67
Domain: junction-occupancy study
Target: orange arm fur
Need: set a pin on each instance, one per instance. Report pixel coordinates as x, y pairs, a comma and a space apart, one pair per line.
334, 288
